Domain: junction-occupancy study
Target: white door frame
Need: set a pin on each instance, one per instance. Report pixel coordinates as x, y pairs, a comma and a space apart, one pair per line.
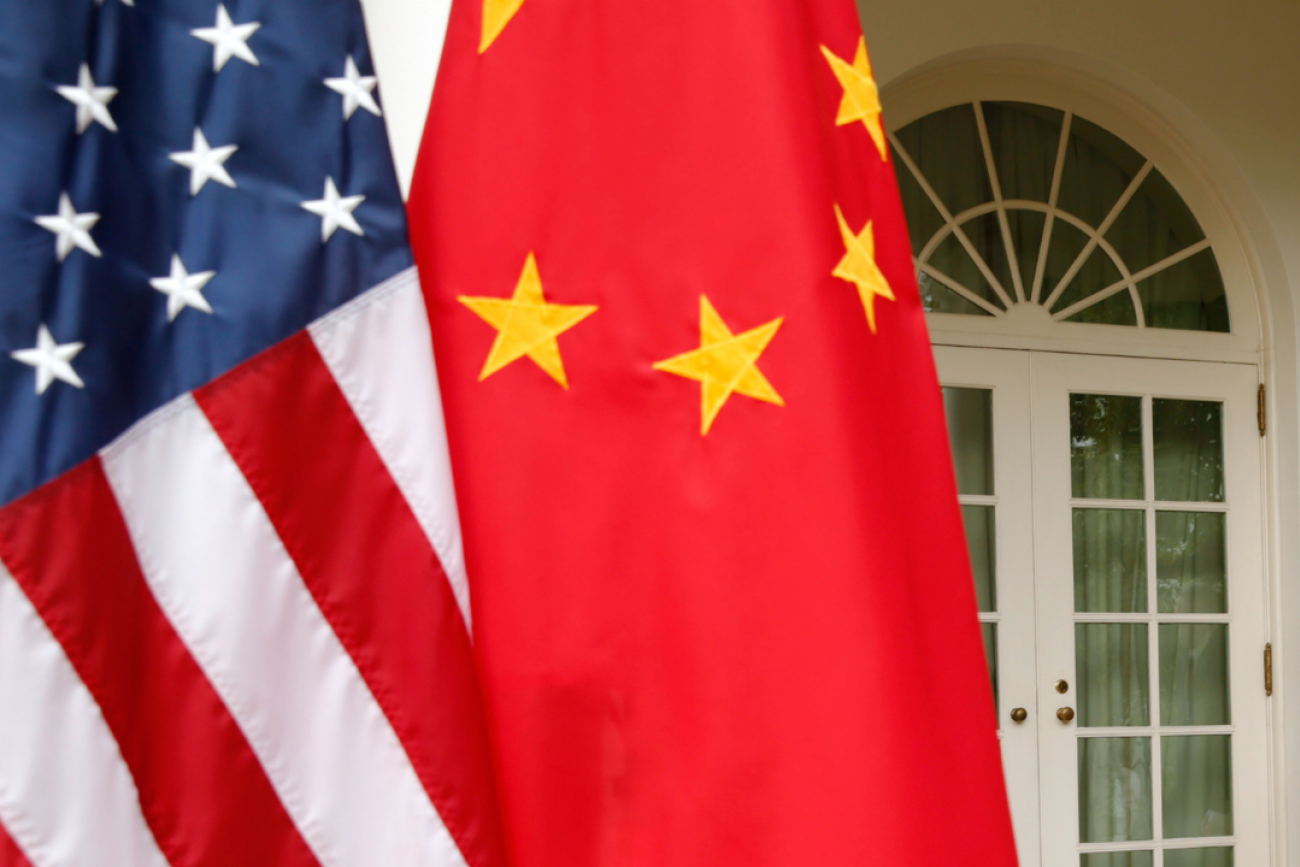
1035, 580
1006, 374
1055, 377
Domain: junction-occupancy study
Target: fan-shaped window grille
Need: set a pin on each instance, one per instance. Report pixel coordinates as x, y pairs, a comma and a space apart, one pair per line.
1011, 203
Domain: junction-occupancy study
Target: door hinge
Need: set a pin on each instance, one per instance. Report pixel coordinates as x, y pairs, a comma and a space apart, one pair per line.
1268, 669
1262, 412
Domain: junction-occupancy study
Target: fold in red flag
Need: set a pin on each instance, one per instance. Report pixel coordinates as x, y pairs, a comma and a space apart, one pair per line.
722, 600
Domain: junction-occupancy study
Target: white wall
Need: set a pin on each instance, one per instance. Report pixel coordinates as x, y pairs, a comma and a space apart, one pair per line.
406, 42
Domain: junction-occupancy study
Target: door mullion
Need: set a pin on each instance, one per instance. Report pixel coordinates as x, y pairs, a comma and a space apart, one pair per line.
1153, 630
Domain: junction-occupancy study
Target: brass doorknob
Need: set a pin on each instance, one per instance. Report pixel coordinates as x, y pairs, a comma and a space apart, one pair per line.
1065, 714
1019, 715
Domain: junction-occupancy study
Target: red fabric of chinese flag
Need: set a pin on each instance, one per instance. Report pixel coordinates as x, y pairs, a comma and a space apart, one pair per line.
722, 603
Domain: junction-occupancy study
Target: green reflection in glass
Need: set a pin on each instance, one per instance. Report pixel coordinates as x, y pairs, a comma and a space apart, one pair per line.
1110, 561
1194, 674
985, 234
1113, 673
990, 631
1196, 773
970, 433
1189, 295
1066, 245
951, 258
981, 541
1117, 859
1219, 856
938, 298
1188, 436
1118, 309
1191, 563
1097, 273
1106, 447
1114, 789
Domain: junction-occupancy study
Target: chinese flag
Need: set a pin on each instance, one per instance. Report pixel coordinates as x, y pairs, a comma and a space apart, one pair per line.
722, 602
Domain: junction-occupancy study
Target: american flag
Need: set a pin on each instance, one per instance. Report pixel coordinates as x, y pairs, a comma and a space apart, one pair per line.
234, 619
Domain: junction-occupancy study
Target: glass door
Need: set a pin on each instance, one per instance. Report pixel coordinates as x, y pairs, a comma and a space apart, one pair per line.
1148, 541
986, 395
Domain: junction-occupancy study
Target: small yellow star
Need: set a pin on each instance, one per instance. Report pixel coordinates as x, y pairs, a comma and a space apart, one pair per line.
527, 325
496, 15
861, 96
859, 267
724, 363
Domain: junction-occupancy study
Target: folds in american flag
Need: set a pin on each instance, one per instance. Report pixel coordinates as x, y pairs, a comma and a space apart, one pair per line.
234, 619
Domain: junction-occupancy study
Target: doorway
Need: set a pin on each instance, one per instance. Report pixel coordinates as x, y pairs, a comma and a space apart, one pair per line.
1113, 514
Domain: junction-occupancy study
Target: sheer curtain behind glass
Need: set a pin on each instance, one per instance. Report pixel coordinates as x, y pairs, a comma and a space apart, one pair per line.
1192, 579
1110, 576
1114, 659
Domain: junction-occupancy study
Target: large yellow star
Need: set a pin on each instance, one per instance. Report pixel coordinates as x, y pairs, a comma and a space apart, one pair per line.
496, 15
861, 96
724, 364
859, 267
527, 325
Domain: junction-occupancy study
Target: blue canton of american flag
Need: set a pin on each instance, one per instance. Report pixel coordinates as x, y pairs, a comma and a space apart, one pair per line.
234, 617
182, 185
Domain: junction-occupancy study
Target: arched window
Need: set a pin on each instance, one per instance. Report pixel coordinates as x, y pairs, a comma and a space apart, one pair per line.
1010, 203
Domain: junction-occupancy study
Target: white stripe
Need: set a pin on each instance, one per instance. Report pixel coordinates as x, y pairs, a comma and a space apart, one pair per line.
379, 350
228, 586
66, 796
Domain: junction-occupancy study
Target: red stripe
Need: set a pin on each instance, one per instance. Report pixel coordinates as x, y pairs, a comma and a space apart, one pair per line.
371, 570
10, 854
202, 790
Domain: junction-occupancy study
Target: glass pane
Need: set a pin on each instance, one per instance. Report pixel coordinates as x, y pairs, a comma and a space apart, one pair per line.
1114, 789
1220, 856
1111, 665
1024, 140
1027, 237
951, 258
1189, 295
1116, 310
970, 432
1197, 779
990, 631
1106, 447
1194, 674
1154, 225
1110, 561
1118, 859
981, 541
985, 233
923, 218
938, 298
946, 148
1066, 244
1188, 450
1098, 169
1098, 273
1191, 563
